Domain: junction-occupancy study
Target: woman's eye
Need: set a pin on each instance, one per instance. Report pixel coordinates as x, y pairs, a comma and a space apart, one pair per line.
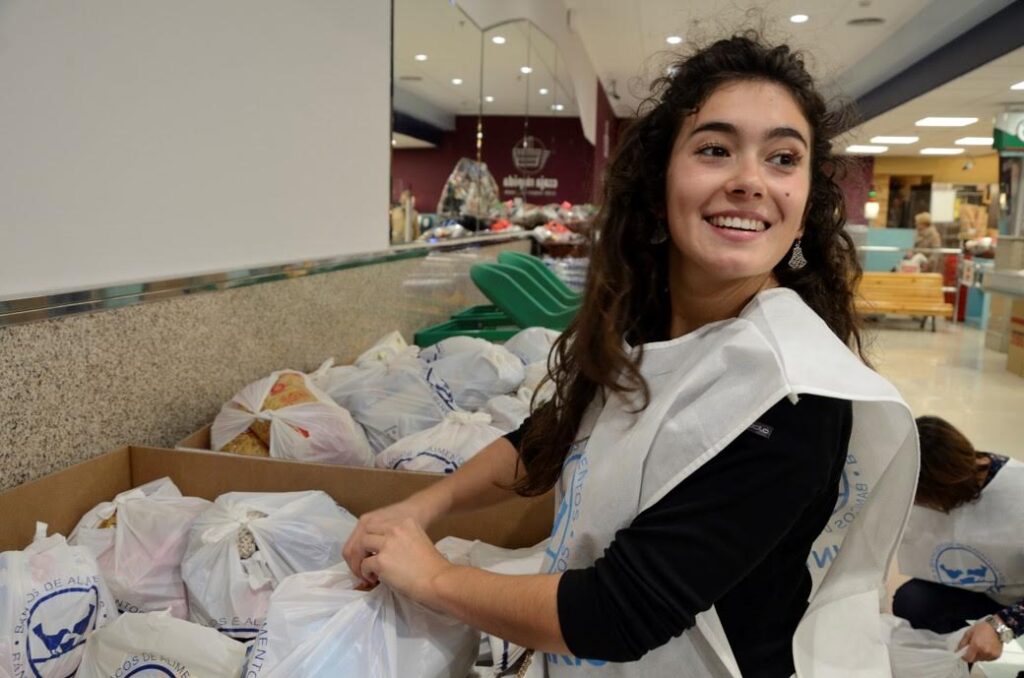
713, 151
785, 159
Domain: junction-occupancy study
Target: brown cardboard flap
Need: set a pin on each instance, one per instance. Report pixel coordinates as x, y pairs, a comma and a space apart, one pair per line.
200, 440
515, 523
61, 499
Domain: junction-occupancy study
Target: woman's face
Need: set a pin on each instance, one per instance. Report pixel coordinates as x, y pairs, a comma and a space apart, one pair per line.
737, 183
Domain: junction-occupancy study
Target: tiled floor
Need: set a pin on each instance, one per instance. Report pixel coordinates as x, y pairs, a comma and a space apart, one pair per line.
950, 373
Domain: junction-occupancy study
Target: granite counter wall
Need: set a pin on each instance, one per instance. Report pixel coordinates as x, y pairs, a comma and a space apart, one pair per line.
151, 374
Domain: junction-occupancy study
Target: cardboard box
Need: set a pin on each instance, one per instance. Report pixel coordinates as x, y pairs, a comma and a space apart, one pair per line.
200, 440
60, 499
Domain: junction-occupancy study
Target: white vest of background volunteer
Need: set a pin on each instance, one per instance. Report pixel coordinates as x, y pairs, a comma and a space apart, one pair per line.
977, 546
706, 388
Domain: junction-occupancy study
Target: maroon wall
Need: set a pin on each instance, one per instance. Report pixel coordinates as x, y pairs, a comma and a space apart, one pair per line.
570, 162
855, 185
607, 133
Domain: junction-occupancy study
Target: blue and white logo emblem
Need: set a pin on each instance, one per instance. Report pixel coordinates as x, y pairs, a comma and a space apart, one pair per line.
575, 469
963, 566
58, 623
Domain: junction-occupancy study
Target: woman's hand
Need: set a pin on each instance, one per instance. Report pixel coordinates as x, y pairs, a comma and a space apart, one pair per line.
982, 643
378, 522
404, 558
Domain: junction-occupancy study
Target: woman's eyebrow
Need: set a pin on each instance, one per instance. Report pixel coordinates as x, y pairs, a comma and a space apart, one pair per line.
729, 128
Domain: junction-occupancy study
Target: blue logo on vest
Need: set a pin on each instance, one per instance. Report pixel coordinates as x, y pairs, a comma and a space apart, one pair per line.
58, 624
557, 551
963, 566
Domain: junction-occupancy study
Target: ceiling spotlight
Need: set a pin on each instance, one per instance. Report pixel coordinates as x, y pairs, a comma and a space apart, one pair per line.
864, 148
456, 81
394, 142
1019, 85
542, 90
420, 57
674, 39
498, 40
942, 151
799, 18
936, 121
525, 70
557, 107
489, 99
894, 140
973, 141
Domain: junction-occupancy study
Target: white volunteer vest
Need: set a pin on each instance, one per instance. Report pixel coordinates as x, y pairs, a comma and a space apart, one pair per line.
706, 388
978, 546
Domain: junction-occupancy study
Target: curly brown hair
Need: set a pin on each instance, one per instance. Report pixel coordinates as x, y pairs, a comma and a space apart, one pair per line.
625, 291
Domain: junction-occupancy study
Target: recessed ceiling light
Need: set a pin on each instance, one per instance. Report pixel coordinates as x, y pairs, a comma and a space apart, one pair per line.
525, 70
456, 81
799, 18
674, 39
894, 140
557, 107
864, 148
942, 151
420, 57
1019, 85
973, 141
498, 39
542, 90
394, 142
938, 121
489, 99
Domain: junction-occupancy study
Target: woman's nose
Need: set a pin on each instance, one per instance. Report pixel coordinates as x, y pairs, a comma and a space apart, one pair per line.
747, 180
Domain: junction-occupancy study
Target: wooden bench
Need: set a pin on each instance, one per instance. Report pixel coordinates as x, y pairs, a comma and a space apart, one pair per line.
914, 294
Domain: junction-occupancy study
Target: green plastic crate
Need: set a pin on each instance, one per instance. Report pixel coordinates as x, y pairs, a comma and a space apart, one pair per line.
429, 336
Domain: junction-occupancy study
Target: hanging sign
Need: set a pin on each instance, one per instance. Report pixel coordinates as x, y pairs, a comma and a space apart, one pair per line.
1008, 137
529, 156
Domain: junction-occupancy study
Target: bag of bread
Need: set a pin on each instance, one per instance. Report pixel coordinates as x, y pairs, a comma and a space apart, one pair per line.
138, 540
51, 598
532, 345
442, 448
392, 395
247, 543
157, 644
475, 369
286, 416
320, 626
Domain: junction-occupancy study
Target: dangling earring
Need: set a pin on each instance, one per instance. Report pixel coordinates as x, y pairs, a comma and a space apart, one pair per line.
660, 233
797, 259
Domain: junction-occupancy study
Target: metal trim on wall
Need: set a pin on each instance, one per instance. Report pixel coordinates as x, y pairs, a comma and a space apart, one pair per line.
57, 305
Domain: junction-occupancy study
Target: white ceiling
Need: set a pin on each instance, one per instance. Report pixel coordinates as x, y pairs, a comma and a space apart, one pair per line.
981, 94
453, 45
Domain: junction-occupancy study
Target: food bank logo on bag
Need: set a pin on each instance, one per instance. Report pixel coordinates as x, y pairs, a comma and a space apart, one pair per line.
963, 566
150, 666
54, 624
854, 491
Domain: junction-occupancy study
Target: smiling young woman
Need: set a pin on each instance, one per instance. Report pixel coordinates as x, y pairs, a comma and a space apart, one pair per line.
709, 394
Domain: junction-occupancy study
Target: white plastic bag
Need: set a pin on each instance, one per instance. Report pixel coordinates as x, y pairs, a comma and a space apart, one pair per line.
247, 543
533, 344
138, 541
507, 412
443, 448
918, 653
499, 560
391, 396
475, 369
155, 644
315, 429
386, 348
51, 598
319, 626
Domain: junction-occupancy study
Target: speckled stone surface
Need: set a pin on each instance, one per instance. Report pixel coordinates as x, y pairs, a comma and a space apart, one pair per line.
151, 374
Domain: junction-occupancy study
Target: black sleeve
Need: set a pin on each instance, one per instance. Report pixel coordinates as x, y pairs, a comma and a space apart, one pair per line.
680, 556
516, 437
